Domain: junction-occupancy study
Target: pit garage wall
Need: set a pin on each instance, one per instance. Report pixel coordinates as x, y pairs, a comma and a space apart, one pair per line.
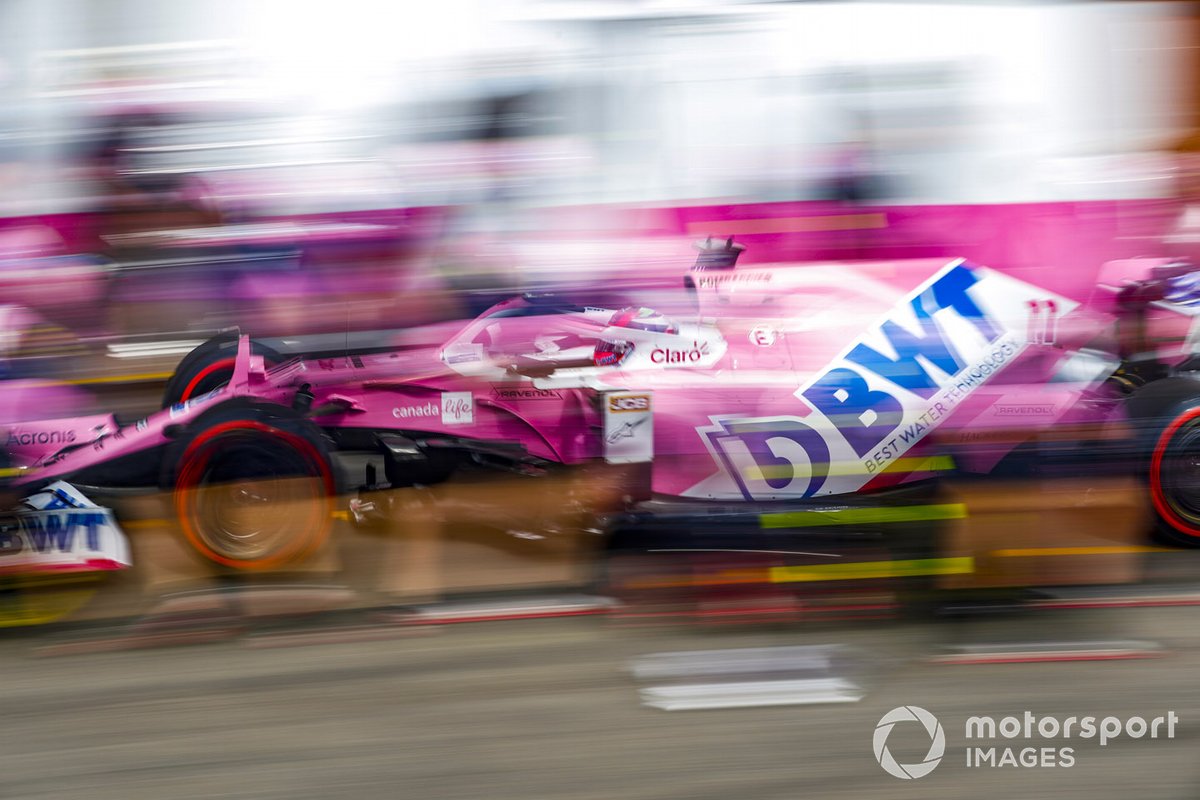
1066, 116
1188, 21
946, 103
1060, 245
668, 103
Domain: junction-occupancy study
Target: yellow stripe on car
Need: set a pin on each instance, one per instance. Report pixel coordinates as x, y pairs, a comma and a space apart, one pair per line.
863, 516
905, 465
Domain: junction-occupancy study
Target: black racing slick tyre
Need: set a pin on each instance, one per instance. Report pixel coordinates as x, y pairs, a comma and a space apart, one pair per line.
209, 367
1166, 415
252, 486
1174, 478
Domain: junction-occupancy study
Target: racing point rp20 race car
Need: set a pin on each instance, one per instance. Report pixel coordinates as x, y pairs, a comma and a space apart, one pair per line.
797, 409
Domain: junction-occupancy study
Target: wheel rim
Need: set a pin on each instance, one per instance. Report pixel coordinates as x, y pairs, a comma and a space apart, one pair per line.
252, 496
250, 521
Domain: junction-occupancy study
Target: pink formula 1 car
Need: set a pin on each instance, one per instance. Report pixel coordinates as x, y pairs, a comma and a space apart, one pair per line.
778, 399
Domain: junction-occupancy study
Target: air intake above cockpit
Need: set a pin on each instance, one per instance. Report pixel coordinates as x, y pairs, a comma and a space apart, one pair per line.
718, 254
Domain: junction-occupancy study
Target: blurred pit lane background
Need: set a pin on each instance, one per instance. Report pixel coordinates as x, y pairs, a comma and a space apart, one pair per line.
175, 169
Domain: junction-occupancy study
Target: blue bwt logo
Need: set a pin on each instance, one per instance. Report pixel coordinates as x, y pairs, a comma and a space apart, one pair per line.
866, 417
56, 531
884, 393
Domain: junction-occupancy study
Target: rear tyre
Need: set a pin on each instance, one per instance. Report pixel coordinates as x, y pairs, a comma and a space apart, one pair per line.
1174, 476
252, 487
209, 367
1166, 418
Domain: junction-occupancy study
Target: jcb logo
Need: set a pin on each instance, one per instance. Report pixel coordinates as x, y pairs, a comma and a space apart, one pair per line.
629, 402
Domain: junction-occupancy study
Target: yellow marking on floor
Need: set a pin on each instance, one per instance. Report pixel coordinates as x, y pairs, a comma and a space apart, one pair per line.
871, 570
146, 524
138, 377
863, 516
42, 581
831, 222
140, 524
725, 577
1097, 550
40, 599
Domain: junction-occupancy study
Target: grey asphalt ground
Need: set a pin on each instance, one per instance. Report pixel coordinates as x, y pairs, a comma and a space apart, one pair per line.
548, 709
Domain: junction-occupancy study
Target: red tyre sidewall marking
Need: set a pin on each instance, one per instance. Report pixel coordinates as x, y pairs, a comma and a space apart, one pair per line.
1156, 489
224, 363
193, 469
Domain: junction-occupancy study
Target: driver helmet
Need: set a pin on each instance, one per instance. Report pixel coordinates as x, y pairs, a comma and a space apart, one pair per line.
643, 319
611, 354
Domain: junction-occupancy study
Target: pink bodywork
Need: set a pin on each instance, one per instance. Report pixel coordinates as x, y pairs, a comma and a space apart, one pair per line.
738, 371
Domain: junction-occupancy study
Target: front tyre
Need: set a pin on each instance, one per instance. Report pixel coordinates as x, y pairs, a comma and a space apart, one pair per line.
253, 488
210, 367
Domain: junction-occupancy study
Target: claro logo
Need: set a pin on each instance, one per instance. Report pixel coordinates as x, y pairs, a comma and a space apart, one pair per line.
671, 355
629, 402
